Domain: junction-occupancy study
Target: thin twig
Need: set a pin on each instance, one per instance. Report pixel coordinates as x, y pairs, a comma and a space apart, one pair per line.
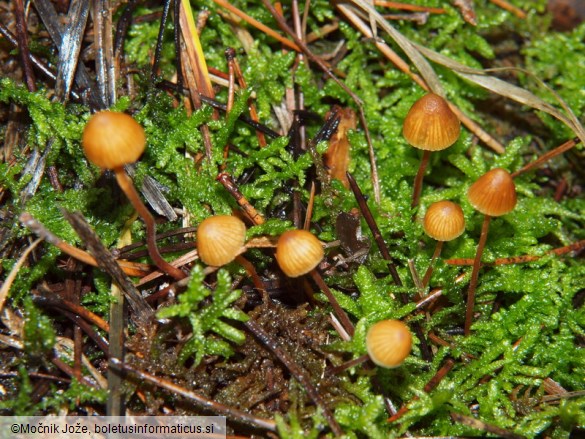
230, 412
327, 70
22, 37
296, 371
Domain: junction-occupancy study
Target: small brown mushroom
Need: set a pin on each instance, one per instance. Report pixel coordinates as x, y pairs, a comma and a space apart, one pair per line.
388, 343
444, 221
220, 239
430, 125
493, 194
112, 140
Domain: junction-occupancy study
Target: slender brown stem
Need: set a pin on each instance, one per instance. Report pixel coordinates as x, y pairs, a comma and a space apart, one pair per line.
419, 178
128, 187
341, 315
199, 400
297, 371
21, 35
475, 275
367, 213
549, 155
351, 363
429, 272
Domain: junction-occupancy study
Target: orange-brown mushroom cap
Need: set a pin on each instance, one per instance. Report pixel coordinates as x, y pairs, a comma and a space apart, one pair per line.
388, 343
494, 193
111, 140
430, 124
444, 221
298, 252
220, 239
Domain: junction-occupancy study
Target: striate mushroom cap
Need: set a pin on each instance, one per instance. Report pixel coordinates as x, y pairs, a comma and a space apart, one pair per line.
388, 343
494, 193
298, 252
220, 239
444, 221
111, 140
430, 124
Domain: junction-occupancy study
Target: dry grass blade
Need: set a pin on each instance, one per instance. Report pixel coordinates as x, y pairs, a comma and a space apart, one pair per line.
353, 16
50, 19
195, 50
419, 61
12, 275
503, 88
70, 48
143, 313
105, 65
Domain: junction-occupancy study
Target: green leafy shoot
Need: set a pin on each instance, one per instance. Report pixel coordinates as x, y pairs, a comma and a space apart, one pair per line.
211, 334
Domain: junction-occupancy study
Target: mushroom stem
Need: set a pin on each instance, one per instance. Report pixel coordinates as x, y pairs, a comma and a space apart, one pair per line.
341, 314
419, 178
128, 187
429, 271
475, 275
351, 363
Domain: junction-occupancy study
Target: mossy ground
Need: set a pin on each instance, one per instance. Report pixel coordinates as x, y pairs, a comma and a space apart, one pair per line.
523, 367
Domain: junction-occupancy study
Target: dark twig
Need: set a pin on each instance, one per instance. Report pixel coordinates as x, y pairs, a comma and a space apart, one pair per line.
22, 38
366, 212
425, 350
482, 426
432, 384
327, 70
124, 23
549, 155
143, 314
159, 40
230, 412
339, 312
47, 298
296, 371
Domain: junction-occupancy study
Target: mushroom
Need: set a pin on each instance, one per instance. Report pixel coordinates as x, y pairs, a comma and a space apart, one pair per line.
430, 125
111, 140
388, 343
493, 194
443, 221
220, 239
298, 252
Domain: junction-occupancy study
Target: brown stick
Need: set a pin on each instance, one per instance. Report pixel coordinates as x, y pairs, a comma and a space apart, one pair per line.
341, 314
547, 156
475, 275
429, 272
128, 187
230, 412
418, 180
296, 371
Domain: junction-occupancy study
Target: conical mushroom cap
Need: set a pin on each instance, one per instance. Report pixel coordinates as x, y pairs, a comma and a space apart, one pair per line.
494, 193
430, 124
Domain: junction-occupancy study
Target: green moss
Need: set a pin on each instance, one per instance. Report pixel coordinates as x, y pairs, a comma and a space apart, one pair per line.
538, 330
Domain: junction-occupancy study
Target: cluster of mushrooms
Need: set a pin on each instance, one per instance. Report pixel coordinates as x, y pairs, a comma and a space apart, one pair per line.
113, 140
431, 125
